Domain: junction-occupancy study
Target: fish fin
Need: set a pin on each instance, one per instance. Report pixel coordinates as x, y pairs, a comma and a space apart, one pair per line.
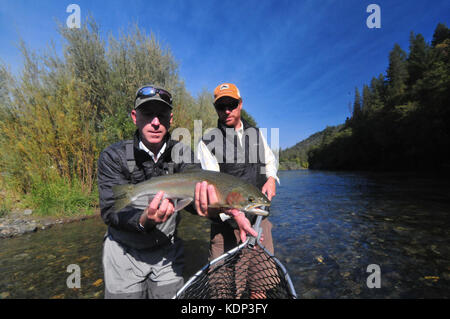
141, 202
182, 203
122, 196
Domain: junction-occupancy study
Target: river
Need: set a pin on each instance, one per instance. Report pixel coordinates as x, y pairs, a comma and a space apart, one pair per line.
328, 228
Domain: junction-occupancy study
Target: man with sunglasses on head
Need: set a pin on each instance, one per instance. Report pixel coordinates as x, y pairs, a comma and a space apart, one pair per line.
142, 258
250, 159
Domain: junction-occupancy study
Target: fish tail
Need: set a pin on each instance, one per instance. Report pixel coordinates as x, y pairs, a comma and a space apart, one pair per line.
122, 196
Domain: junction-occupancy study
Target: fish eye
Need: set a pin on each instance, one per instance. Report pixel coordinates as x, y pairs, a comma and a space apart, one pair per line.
251, 199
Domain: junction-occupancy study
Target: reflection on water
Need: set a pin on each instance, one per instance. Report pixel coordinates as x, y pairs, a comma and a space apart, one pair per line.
35, 265
328, 227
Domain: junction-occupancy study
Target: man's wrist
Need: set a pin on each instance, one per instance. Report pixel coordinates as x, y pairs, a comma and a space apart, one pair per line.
271, 178
145, 224
143, 219
274, 178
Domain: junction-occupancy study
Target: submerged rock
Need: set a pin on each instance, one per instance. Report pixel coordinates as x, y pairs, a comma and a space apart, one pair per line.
19, 223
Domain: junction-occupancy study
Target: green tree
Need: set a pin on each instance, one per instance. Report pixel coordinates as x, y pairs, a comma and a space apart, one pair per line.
84, 56
441, 33
377, 90
246, 116
397, 75
418, 58
357, 109
367, 100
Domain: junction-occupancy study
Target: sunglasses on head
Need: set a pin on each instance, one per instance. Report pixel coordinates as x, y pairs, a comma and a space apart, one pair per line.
226, 106
149, 91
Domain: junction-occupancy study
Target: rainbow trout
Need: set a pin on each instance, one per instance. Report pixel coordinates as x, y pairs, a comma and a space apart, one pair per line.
232, 192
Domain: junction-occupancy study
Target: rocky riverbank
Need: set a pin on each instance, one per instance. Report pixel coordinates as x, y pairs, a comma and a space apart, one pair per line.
18, 223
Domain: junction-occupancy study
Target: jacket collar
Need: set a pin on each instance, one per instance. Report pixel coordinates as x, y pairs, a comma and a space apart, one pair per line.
143, 154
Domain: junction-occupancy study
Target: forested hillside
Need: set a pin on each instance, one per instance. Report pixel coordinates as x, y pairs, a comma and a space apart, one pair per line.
401, 120
296, 157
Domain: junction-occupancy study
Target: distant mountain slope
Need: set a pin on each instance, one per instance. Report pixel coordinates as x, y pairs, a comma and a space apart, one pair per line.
296, 157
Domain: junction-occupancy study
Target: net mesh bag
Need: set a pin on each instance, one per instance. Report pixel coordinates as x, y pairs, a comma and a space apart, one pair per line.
245, 272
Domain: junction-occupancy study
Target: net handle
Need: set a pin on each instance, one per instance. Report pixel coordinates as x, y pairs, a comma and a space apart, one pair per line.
253, 240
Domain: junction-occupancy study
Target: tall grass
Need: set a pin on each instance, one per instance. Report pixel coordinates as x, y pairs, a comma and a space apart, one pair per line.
61, 197
60, 112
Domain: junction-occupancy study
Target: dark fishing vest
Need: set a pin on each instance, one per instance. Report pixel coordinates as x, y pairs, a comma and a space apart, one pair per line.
244, 161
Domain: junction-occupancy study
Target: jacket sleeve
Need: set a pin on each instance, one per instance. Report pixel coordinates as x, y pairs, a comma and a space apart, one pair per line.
271, 161
110, 173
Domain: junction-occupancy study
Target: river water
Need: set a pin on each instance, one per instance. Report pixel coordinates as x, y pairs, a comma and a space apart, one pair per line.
328, 228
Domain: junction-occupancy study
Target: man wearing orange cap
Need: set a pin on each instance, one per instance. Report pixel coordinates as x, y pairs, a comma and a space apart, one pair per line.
250, 159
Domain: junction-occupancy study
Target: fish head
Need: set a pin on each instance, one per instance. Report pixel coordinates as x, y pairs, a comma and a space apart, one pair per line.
248, 199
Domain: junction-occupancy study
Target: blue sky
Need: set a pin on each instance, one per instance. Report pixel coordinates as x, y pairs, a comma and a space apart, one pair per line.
296, 63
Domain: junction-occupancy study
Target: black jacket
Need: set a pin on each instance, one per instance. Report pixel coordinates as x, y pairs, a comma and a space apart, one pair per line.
113, 170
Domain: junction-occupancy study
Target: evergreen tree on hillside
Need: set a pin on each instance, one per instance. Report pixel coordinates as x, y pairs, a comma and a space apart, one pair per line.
418, 60
441, 34
246, 116
397, 75
357, 106
377, 90
432, 88
366, 100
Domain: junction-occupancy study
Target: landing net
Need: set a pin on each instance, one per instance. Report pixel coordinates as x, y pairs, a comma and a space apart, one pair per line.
245, 272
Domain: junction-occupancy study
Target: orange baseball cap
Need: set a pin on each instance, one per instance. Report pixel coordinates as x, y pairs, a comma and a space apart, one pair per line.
226, 89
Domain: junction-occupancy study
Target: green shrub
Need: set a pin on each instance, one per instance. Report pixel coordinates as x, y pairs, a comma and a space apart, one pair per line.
60, 197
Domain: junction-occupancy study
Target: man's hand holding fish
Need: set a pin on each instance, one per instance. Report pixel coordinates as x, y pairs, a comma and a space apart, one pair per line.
158, 210
205, 196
